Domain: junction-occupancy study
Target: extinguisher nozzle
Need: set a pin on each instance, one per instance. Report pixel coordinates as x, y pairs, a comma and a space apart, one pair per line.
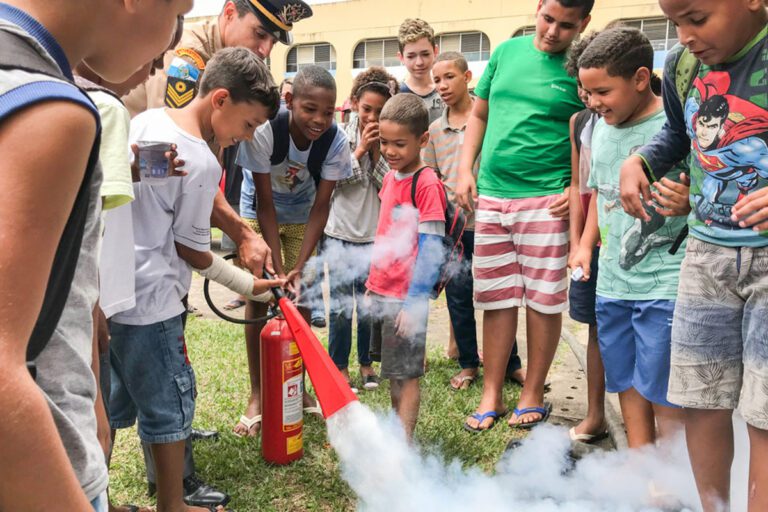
332, 389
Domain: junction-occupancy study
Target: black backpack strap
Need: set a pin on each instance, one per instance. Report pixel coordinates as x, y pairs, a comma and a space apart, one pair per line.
280, 137
413, 186
578, 126
319, 152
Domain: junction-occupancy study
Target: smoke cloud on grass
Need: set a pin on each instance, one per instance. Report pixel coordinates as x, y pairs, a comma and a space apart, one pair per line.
389, 475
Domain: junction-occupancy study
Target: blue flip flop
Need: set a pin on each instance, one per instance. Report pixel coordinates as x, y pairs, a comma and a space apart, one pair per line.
495, 416
544, 411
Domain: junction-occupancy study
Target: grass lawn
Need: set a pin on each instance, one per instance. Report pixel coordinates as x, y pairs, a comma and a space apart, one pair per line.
314, 482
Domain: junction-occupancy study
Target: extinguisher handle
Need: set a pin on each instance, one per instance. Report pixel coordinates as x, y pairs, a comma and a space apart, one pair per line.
276, 291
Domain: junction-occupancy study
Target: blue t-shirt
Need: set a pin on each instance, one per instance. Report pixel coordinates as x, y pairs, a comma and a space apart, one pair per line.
293, 189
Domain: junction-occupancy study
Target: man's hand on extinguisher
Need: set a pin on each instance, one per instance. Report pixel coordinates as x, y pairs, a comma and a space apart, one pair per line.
293, 284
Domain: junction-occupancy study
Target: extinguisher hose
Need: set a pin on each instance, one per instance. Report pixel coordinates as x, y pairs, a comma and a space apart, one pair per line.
278, 292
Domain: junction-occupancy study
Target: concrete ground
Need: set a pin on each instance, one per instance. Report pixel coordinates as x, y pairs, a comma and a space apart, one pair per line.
568, 380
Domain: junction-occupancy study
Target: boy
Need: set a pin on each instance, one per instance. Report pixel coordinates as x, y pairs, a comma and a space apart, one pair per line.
53, 220
638, 277
290, 169
172, 234
582, 294
718, 331
407, 252
451, 75
522, 238
417, 53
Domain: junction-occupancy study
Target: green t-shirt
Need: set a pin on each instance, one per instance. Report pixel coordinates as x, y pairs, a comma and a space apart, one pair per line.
635, 263
526, 150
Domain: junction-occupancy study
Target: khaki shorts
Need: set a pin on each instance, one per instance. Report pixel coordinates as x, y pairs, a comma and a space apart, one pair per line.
291, 238
720, 331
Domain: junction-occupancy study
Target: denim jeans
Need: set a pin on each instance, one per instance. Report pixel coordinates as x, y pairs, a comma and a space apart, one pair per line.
346, 292
458, 295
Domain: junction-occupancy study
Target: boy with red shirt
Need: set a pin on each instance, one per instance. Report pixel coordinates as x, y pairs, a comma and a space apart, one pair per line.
407, 252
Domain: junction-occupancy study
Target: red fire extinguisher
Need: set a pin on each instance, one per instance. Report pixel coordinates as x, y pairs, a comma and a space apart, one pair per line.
282, 392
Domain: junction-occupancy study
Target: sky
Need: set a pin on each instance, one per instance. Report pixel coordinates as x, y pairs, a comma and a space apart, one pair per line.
211, 7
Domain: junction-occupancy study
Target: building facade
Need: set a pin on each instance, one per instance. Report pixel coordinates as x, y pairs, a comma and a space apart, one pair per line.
347, 37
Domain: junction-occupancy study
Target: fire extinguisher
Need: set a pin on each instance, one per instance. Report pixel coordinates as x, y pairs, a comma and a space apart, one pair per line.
282, 392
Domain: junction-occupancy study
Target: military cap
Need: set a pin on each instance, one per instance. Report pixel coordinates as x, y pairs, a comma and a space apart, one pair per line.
278, 16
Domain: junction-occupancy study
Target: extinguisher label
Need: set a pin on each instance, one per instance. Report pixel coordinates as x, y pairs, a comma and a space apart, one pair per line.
294, 444
293, 394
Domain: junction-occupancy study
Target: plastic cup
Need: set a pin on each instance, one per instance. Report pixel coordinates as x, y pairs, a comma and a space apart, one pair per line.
153, 164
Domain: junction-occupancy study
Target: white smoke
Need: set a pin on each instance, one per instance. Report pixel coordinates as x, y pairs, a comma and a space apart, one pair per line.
350, 262
389, 475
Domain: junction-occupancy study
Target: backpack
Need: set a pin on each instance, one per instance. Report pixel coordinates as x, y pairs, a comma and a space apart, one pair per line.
281, 140
455, 224
17, 54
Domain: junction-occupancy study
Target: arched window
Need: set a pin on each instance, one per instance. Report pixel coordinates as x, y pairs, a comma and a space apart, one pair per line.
660, 31
376, 52
525, 31
475, 46
321, 54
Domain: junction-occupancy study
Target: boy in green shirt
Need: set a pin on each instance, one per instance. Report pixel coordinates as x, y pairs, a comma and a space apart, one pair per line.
521, 119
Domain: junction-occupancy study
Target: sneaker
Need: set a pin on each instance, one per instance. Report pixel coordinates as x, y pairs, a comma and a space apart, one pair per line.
370, 382
318, 322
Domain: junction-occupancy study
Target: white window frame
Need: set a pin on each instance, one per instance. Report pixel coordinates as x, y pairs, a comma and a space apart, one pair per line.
483, 55
293, 55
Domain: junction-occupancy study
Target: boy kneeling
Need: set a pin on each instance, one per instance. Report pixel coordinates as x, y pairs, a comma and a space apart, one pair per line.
407, 253
152, 377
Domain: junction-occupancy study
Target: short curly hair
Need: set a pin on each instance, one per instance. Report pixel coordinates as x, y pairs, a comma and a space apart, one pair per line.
408, 110
621, 51
413, 29
374, 79
575, 51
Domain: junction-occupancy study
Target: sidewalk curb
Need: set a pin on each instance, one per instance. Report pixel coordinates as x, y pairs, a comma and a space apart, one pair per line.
612, 418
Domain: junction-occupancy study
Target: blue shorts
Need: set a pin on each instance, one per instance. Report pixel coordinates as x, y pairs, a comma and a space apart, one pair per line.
635, 341
582, 295
152, 379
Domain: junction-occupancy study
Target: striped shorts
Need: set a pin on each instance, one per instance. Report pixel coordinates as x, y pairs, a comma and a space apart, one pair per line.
521, 255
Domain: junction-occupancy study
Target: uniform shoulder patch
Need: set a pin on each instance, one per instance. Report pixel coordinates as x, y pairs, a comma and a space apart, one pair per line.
191, 54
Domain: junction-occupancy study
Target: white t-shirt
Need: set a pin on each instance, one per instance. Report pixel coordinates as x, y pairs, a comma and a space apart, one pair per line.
178, 211
117, 283
293, 189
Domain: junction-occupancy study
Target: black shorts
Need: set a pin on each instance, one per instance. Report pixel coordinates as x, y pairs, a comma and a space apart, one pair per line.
401, 358
582, 295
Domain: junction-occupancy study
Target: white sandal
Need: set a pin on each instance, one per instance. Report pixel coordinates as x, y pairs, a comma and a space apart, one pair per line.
249, 423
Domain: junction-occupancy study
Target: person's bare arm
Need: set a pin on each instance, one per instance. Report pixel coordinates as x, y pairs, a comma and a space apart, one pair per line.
574, 200
267, 217
466, 188
35, 202
589, 239
254, 253
100, 331
318, 216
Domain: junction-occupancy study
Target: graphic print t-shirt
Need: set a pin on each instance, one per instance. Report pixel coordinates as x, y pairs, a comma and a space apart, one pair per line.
726, 117
634, 260
432, 101
293, 188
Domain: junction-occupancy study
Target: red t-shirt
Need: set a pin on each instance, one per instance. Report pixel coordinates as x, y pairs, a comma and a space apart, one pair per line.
397, 235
